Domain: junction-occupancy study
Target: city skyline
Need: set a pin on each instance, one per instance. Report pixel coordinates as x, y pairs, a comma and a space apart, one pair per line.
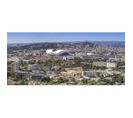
34, 37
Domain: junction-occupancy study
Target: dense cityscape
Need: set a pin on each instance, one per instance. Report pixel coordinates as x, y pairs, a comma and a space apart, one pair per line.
66, 63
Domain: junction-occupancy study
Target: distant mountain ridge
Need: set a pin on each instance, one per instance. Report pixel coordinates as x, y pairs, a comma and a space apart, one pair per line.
111, 43
16, 44
56, 45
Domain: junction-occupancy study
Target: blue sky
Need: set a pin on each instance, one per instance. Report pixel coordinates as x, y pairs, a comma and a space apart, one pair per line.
32, 37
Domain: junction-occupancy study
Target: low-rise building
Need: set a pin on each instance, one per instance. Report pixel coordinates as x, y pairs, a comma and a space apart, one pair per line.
33, 67
68, 57
89, 74
22, 74
56, 68
38, 76
104, 64
15, 66
46, 68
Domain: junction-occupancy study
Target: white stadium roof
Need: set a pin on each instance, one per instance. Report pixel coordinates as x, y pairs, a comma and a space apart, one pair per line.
57, 52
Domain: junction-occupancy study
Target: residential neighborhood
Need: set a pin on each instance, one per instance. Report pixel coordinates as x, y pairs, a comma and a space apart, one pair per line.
73, 63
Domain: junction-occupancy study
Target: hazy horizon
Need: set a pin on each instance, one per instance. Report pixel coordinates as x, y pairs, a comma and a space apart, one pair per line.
64, 42
53, 37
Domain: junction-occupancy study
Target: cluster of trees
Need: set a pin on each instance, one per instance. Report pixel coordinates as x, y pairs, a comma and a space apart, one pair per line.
117, 79
10, 74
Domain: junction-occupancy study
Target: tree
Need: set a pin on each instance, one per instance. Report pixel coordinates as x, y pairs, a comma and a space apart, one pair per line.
84, 81
118, 78
61, 80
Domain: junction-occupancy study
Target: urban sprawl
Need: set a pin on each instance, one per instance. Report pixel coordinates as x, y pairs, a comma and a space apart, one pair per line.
68, 63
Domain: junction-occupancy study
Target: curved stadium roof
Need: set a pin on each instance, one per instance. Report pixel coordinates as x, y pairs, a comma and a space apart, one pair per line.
57, 52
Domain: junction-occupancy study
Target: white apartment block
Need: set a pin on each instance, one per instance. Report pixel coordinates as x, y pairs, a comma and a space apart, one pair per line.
104, 64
